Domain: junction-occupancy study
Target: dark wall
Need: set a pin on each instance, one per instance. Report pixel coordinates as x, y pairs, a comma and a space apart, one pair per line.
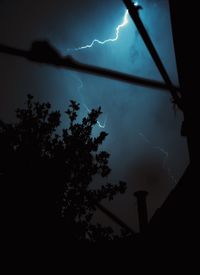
185, 34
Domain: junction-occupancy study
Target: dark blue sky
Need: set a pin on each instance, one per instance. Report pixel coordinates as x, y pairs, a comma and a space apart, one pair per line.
144, 132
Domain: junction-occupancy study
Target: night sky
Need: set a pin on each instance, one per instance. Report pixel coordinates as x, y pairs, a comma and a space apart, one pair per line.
144, 139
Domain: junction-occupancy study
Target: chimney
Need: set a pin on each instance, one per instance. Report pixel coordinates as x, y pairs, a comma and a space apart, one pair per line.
142, 209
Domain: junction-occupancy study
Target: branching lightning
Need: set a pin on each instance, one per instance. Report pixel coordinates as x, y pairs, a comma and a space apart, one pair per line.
117, 32
97, 41
165, 157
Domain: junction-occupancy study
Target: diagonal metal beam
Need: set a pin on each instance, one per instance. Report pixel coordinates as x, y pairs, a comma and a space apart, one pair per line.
43, 52
114, 218
134, 13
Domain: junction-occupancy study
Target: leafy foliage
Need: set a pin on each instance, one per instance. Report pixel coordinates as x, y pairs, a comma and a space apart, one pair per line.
35, 159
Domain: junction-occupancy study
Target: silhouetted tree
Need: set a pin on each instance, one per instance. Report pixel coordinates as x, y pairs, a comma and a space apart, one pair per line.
37, 162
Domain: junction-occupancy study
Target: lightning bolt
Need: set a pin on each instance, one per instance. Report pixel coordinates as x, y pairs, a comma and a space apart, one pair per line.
97, 41
79, 88
165, 156
117, 32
